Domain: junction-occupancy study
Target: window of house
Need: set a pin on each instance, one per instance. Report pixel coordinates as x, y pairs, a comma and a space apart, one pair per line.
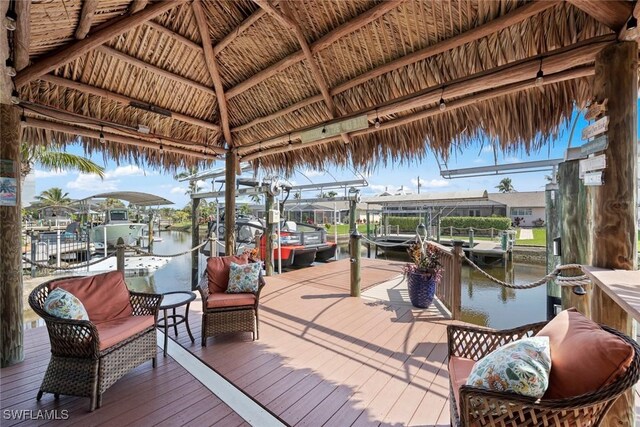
521, 211
474, 212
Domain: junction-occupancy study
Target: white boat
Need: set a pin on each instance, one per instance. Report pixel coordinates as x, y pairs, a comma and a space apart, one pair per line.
117, 225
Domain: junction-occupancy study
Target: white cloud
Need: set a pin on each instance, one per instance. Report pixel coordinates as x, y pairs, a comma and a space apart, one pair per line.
93, 183
512, 160
436, 183
120, 171
49, 174
487, 149
178, 190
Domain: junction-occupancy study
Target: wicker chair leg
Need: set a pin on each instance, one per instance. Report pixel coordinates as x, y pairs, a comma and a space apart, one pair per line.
56, 396
93, 404
153, 362
257, 335
99, 400
39, 395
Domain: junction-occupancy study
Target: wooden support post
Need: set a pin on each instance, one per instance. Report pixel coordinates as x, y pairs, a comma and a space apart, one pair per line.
438, 229
352, 216
456, 280
552, 220
354, 247
195, 241
614, 209
120, 254
268, 256
368, 235
150, 245
231, 162
11, 323
574, 230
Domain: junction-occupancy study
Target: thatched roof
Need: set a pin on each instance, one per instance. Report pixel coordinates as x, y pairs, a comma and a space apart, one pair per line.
257, 74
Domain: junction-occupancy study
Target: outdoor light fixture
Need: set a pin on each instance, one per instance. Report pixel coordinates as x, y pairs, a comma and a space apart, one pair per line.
540, 75
632, 23
442, 105
11, 70
376, 122
160, 147
101, 138
144, 129
15, 97
324, 129
10, 20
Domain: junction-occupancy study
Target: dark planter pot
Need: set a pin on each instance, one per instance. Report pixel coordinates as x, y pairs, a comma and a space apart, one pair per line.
422, 288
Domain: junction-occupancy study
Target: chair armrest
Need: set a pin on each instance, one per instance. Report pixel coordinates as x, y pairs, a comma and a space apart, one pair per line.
261, 283
145, 304
474, 342
73, 338
203, 289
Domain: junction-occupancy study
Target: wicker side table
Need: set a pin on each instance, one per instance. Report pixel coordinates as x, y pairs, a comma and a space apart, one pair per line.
173, 300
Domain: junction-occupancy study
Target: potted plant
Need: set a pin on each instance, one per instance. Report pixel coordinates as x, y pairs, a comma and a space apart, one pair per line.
423, 273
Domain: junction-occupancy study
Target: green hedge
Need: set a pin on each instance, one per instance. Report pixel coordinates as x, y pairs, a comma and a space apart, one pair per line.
406, 223
477, 222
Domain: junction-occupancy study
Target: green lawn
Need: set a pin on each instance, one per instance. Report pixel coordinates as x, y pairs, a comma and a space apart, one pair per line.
539, 238
344, 228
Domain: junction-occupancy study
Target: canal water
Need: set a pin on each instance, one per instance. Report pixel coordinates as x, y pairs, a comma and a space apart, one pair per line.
483, 302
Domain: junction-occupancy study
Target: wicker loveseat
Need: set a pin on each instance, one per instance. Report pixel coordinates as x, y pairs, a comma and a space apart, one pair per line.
471, 406
222, 312
88, 356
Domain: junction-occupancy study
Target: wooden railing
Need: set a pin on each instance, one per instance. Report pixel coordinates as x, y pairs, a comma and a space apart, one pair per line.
450, 285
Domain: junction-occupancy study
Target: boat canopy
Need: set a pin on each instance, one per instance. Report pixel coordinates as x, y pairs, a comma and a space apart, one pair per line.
137, 198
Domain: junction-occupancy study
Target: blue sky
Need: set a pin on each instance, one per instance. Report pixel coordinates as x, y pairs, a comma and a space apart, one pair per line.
128, 177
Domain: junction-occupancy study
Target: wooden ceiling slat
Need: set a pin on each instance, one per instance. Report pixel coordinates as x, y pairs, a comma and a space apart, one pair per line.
81, 47
86, 18
138, 5
612, 13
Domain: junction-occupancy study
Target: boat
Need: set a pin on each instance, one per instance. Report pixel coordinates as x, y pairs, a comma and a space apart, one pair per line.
116, 225
301, 244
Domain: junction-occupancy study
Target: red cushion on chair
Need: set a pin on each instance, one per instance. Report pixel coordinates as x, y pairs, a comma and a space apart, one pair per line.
219, 299
459, 370
584, 357
115, 331
104, 296
218, 270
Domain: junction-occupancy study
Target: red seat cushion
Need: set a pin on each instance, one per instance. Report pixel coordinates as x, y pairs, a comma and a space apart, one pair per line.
459, 370
219, 299
584, 357
218, 270
104, 296
115, 331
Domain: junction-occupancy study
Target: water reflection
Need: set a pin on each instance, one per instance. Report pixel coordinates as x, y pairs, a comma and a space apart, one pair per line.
489, 304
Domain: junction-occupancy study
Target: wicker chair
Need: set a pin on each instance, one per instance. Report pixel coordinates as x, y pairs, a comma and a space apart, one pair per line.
478, 406
222, 320
78, 367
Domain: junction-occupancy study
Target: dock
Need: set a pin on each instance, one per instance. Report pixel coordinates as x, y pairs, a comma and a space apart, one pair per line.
323, 358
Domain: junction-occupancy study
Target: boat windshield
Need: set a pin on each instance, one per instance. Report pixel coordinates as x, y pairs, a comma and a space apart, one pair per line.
118, 215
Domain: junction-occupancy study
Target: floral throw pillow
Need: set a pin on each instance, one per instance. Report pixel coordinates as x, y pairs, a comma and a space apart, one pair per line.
65, 305
243, 278
520, 367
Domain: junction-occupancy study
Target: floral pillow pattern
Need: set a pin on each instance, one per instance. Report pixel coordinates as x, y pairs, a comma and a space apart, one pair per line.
520, 367
65, 305
243, 278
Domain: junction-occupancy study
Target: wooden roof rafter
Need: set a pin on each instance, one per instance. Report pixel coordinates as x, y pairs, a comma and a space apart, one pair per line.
518, 15
286, 19
78, 48
138, 5
557, 61
612, 13
212, 66
125, 100
315, 47
86, 18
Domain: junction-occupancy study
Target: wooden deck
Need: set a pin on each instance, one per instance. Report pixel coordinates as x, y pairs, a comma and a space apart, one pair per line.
322, 358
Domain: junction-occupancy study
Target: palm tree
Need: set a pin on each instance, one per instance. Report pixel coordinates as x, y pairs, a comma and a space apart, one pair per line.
54, 197
505, 186
331, 194
297, 196
55, 160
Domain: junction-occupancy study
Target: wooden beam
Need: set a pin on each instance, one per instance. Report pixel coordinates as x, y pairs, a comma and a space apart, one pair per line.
86, 18
212, 65
153, 69
319, 45
22, 34
137, 5
553, 62
579, 72
172, 34
612, 13
634, 33
231, 167
244, 25
124, 100
99, 124
78, 48
290, 109
127, 140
